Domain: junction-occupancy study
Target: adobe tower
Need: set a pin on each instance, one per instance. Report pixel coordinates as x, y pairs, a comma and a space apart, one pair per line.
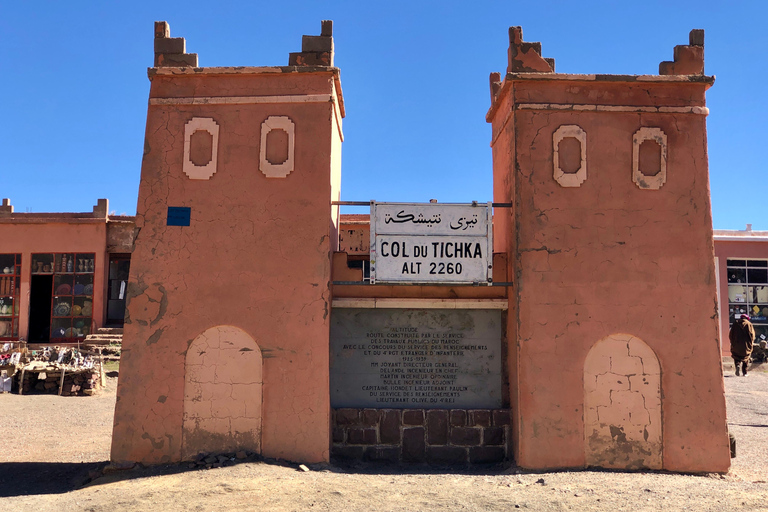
614, 355
226, 335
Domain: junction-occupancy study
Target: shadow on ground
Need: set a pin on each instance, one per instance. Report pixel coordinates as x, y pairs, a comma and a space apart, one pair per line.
36, 478
31, 478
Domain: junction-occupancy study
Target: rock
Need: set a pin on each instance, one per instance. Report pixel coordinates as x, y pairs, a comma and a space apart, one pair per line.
118, 466
210, 459
303, 468
241, 455
222, 459
89, 392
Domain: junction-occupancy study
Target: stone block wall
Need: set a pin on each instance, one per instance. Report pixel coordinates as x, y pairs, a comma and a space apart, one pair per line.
438, 436
77, 383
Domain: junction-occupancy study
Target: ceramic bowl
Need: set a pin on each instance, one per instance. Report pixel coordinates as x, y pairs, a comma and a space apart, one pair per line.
61, 309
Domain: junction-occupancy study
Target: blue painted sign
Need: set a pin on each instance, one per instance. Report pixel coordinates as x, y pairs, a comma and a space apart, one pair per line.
178, 215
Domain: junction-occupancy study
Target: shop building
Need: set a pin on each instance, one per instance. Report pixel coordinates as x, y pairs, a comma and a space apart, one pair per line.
741, 258
62, 275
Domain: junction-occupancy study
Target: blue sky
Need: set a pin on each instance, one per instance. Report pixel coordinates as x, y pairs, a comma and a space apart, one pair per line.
415, 79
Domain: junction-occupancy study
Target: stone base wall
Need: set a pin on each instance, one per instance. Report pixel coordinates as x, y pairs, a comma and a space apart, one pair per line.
439, 436
79, 383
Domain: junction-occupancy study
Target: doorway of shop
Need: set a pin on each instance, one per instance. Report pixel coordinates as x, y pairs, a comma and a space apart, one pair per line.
40, 296
119, 268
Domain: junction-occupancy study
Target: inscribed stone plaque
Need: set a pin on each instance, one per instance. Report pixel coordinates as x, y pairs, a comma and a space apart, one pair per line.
416, 358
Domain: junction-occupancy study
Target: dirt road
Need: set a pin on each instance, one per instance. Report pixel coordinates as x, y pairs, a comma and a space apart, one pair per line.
51, 444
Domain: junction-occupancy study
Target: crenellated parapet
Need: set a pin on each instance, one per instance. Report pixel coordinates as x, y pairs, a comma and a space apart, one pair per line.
525, 57
170, 52
689, 58
315, 50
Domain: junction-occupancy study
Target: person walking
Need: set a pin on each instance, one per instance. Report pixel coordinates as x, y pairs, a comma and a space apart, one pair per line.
742, 336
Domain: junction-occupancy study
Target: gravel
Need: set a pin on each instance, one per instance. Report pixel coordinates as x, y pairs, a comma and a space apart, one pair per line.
55, 444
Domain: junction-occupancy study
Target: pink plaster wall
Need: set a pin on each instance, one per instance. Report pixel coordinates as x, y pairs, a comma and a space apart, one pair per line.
29, 237
606, 258
256, 257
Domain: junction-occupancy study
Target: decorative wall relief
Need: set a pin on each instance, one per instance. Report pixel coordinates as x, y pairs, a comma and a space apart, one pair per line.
277, 149
569, 144
649, 158
201, 144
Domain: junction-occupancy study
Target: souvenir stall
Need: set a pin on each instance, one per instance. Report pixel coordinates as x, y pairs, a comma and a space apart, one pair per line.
62, 275
59, 370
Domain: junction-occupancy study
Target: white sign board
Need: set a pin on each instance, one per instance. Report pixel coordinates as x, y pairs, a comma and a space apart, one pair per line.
431, 243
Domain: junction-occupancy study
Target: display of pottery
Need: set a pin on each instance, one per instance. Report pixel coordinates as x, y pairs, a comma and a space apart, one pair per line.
61, 309
39, 266
88, 289
4, 328
79, 289
87, 308
7, 270
76, 310
63, 289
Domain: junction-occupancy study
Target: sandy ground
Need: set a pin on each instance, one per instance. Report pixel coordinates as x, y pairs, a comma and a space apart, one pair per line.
51, 444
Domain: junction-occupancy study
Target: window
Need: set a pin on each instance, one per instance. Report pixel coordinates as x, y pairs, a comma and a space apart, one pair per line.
748, 292
10, 276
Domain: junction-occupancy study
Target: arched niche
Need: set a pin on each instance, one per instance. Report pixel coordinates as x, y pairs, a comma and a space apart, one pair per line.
222, 393
622, 404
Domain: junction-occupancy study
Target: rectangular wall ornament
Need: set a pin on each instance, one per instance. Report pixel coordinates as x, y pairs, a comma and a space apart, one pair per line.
178, 216
416, 358
431, 243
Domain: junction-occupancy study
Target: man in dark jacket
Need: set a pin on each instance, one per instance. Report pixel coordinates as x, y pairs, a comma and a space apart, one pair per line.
742, 338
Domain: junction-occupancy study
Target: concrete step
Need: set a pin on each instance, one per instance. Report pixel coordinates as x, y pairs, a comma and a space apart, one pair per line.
98, 340
109, 330
102, 338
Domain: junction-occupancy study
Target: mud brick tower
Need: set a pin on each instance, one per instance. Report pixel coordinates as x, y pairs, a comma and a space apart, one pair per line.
614, 355
226, 335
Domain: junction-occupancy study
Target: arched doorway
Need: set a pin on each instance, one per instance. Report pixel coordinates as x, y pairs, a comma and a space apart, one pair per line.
622, 404
222, 393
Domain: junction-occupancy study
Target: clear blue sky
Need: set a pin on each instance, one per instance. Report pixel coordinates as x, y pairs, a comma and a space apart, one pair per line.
415, 79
